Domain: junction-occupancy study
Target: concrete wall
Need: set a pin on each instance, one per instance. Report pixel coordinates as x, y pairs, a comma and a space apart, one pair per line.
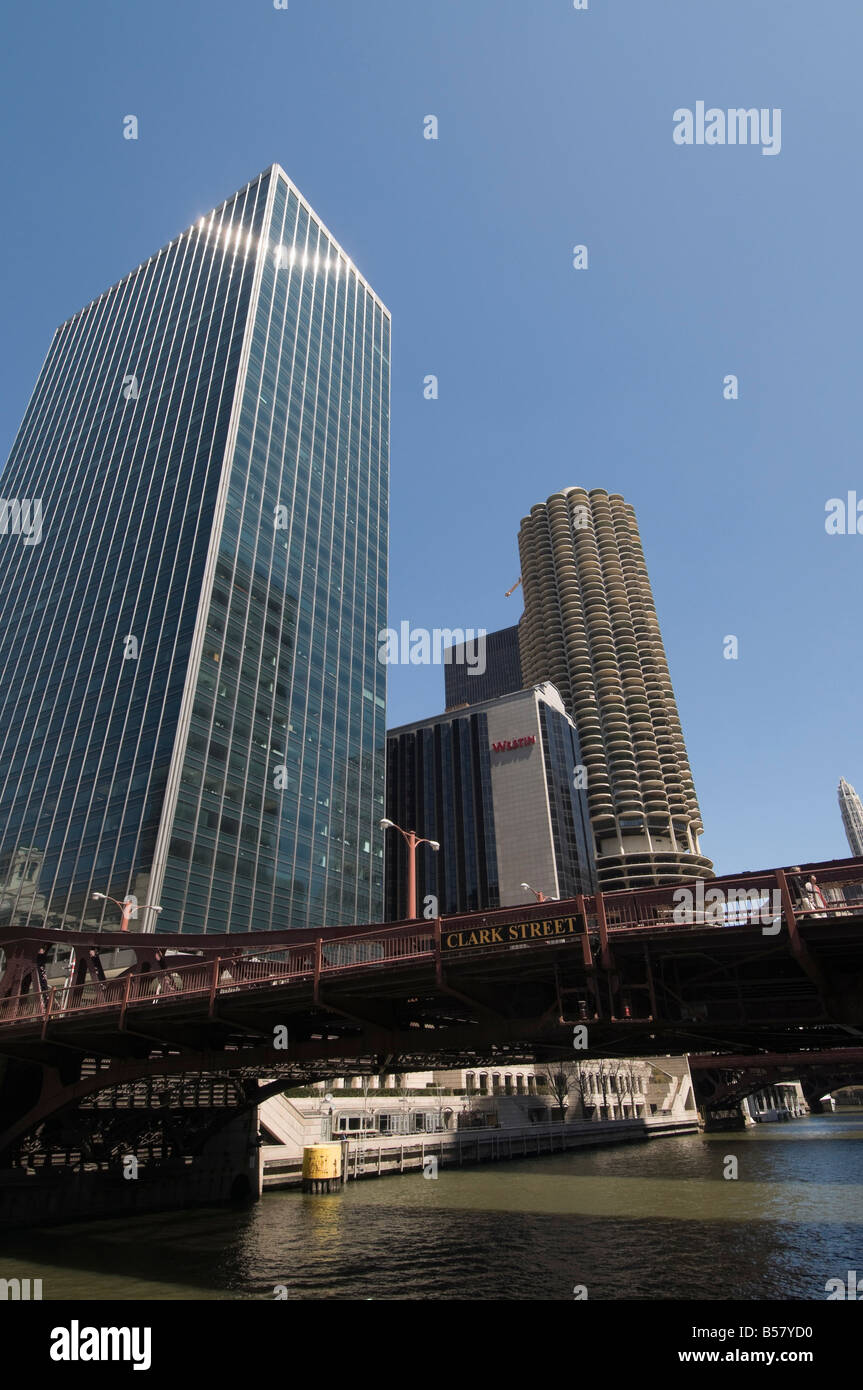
522, 820
381, 1157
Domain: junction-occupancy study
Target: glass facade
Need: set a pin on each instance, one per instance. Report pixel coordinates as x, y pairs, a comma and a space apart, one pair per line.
570, 819
191, 708
439, 784
502, 674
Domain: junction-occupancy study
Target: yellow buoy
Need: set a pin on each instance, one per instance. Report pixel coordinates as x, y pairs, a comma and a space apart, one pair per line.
322, 1167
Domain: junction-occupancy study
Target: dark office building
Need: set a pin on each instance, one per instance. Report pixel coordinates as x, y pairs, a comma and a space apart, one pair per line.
500, 786
191, 707
497, 672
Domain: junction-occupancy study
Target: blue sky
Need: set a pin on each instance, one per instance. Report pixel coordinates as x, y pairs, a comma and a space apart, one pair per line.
555, 128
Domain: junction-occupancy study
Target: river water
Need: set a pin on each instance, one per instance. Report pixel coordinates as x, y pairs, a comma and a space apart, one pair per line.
641, 1221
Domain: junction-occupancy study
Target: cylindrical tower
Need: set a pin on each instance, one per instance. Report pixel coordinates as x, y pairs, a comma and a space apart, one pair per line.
590, 626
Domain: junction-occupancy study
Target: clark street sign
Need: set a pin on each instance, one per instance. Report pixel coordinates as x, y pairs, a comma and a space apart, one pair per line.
511, 932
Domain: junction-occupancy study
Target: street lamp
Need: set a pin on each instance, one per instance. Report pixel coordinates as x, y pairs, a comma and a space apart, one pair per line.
327, 1111
127, 907
540, 896
412, 840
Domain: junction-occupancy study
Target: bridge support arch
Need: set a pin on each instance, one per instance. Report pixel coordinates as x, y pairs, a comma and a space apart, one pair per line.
172, 1143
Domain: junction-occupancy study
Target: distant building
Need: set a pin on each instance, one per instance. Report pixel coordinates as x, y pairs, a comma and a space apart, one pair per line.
500, 786
19, 886
783, 1100
852, 816
499, 673
506, 1094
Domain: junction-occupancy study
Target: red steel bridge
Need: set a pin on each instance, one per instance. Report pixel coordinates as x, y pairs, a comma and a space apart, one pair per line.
100, 1032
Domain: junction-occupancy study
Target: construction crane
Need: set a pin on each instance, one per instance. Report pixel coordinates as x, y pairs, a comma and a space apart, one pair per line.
514, 587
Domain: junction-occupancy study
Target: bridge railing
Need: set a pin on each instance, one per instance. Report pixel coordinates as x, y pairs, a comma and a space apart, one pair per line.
749, 899
62, 1000
690, 905
400, 944
837, 896
158, 984
228, 974
93, 994
21, 1006
370, 948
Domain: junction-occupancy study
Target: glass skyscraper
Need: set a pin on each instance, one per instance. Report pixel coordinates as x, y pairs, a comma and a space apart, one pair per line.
467, 685
191, 706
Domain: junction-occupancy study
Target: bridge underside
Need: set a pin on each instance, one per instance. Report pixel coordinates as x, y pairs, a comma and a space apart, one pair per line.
726, 1081
672, 990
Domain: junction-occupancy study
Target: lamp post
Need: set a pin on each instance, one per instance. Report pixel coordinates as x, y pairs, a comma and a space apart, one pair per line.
538, 894
327, 1117
127, 907
413, 841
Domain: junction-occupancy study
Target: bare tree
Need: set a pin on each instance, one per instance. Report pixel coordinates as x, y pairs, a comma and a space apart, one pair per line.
629, 1071
607, 1073
563, 1080
584, 1071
